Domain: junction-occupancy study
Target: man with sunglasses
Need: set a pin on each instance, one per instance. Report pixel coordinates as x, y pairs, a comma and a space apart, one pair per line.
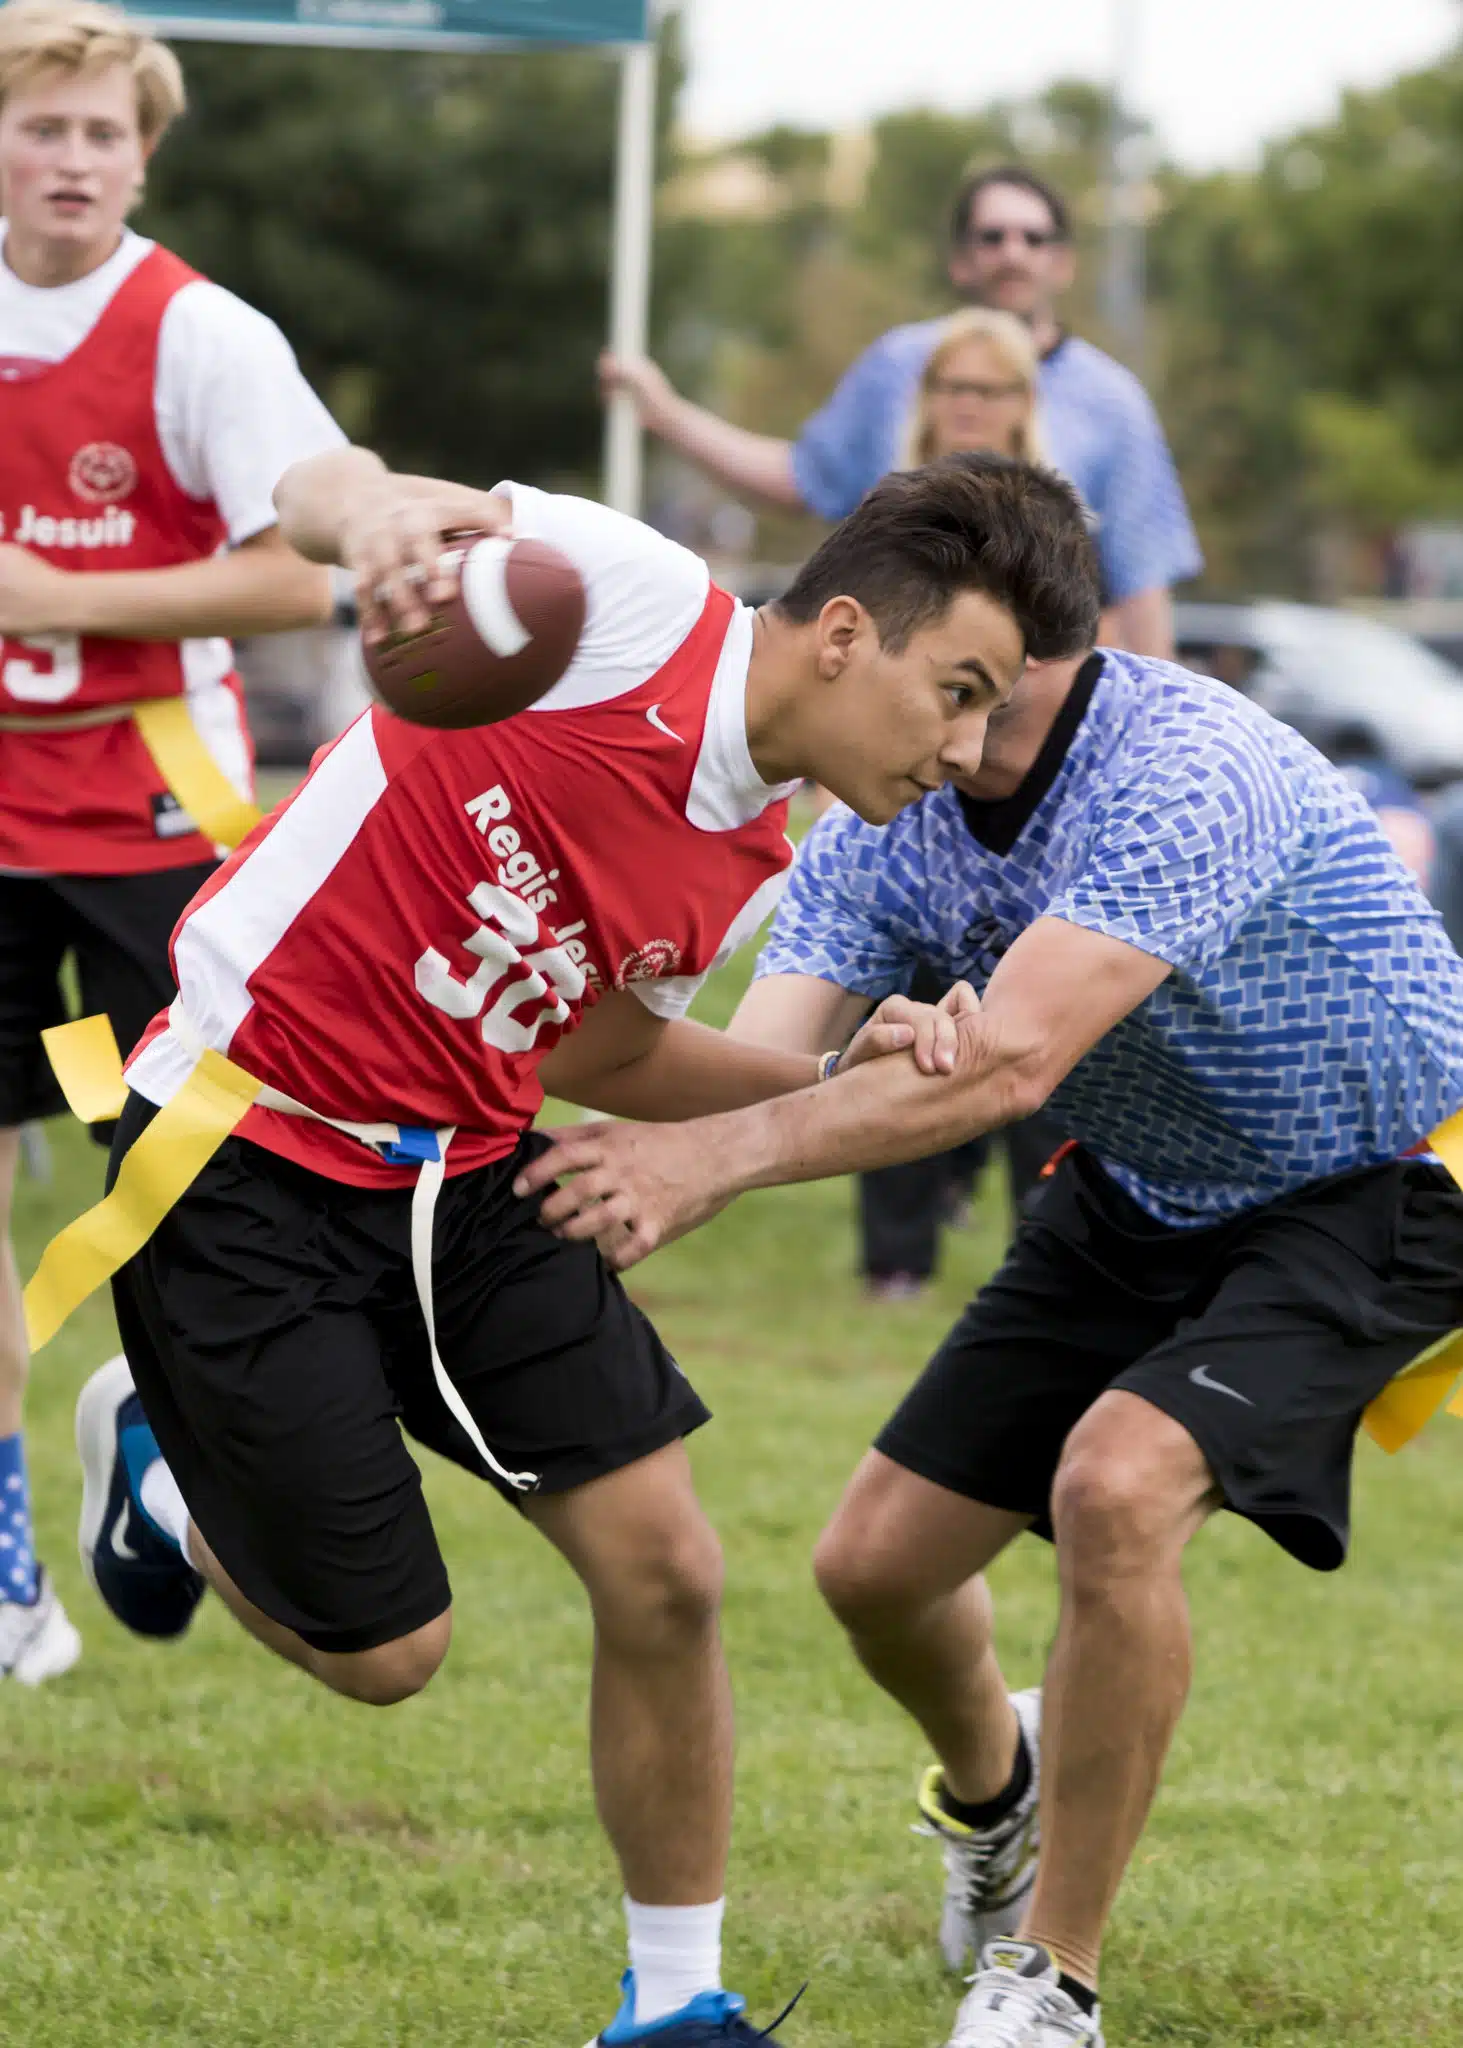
1010, 248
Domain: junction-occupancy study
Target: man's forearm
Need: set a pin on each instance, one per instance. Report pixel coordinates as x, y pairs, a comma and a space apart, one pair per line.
883, 1114
693, 1071
257, 588
759, 465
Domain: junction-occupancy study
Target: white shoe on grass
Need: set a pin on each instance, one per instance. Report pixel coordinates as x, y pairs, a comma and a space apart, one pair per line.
1016, 2001
989, 1872
37, 1642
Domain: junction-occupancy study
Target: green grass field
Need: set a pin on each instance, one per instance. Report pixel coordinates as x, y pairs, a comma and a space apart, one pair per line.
200, 1849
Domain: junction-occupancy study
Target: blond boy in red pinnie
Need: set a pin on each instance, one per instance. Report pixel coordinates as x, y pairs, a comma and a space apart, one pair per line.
145, 416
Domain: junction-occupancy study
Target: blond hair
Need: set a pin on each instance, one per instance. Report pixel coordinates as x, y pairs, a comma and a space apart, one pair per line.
1011, 341
83, 37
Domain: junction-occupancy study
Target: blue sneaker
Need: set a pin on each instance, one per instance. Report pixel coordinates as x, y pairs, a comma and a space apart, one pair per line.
140, 1573
714, 2020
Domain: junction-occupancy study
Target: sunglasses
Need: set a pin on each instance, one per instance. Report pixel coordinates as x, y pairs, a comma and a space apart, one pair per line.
995, 238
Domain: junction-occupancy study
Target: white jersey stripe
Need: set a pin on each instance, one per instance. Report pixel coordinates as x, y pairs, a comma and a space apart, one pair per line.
235, 931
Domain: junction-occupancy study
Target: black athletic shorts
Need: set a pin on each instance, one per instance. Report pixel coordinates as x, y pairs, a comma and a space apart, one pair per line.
274, 1333
118, 926
1265, 1337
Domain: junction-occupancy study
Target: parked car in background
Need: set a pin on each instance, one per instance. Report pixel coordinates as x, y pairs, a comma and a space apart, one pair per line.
1436, 621
1354, 687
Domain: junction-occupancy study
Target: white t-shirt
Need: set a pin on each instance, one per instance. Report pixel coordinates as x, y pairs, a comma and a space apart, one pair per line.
233, 410
643, 595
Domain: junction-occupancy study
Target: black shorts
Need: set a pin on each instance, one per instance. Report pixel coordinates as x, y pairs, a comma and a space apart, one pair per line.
1265, 1337
118, 926
274, 1333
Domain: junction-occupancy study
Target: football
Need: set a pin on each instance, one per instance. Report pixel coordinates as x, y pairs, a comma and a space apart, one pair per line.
501, 641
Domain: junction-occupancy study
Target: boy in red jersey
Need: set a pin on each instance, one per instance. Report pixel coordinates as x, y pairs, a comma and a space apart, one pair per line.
145, 416
438, 927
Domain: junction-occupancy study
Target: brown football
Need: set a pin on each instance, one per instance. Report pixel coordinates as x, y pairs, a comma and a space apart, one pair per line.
505, 638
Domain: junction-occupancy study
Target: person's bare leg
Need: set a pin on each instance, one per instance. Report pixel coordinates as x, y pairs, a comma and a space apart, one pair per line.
661, 1710
14, 1351
1132, 1489
379, 1677
899, 1565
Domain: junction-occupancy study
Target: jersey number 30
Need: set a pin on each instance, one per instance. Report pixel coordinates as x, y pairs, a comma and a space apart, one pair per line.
525, 1003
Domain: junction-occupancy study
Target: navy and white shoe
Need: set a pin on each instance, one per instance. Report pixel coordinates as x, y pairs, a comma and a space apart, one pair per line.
714, 2020
138, 1570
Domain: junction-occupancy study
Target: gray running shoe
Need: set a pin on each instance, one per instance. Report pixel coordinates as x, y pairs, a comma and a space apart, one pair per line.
989, 1872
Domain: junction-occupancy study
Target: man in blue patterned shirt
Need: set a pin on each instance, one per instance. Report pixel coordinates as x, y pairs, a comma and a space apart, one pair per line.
1010, 248
1189, 934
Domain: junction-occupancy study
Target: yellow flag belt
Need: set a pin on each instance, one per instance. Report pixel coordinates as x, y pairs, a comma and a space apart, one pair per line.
162, 1164
187, 1131
160, 1167
191, 773
179, 755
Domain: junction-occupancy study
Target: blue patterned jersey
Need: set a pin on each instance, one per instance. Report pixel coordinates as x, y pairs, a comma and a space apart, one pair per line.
1313, 1020
1101, 432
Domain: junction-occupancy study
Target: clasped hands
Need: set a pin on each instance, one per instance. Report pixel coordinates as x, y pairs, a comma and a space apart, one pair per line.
632, 1187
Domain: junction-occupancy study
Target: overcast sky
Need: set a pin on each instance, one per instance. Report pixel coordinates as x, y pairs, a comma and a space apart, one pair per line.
1216, 76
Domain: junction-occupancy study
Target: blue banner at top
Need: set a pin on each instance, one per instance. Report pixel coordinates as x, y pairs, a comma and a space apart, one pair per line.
404, 24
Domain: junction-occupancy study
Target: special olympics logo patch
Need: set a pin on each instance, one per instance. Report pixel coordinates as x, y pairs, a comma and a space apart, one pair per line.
652, 963
102, 473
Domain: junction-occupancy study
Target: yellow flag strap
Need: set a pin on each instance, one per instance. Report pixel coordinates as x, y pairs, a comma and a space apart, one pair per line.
86, 1062
159, 1168
191, 772
1412, 1399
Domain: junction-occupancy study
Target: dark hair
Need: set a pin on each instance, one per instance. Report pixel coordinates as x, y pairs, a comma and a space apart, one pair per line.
962, 213
1012, 529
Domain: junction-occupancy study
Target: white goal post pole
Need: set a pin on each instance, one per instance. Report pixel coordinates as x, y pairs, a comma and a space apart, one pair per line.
630, 268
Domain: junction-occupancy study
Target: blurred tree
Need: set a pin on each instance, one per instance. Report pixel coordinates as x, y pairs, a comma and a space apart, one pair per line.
1312, 316
432, 234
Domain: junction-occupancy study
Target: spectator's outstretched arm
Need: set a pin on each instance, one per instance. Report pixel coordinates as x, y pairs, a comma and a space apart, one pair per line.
754, 465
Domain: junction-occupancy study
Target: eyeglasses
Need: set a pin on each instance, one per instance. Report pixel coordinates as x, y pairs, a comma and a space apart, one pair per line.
995, 238
973, 387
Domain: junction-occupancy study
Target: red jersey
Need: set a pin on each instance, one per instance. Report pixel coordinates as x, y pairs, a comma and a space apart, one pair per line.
84, 483
432, 911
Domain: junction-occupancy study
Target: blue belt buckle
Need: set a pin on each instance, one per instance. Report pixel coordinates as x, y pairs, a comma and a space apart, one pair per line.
413, 1147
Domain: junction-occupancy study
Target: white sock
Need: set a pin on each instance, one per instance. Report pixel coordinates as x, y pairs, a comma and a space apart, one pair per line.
675, 1952
160, 1496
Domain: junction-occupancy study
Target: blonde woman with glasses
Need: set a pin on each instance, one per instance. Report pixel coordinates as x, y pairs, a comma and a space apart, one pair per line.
978, 393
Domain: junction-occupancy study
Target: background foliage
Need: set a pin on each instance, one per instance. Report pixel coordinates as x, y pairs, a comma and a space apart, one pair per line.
432, 234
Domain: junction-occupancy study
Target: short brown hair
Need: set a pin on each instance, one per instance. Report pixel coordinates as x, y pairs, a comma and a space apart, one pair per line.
1010, 529
83, 37
962, 213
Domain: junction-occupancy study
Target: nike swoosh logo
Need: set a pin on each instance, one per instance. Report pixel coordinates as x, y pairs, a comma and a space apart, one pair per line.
120, 1546
653, 714
1200, 1377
